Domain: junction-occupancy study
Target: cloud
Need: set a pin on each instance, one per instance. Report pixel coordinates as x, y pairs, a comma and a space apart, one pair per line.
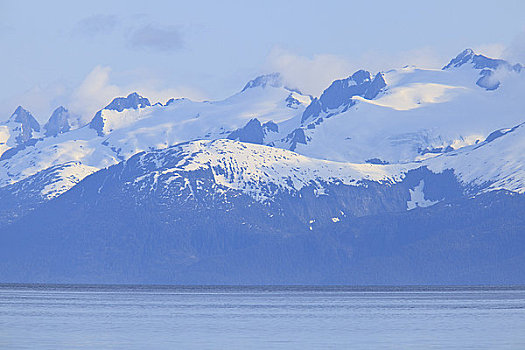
494, 50
309, 74
158, 94
96, 24
41, 100
93, 93
156, 38
313, 74
97, 90
515, 52
422, 57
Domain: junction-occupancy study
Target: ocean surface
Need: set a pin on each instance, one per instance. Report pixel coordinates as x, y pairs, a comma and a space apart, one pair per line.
178, 317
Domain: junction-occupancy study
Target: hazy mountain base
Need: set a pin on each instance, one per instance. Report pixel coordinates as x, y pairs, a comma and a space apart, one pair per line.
96, 234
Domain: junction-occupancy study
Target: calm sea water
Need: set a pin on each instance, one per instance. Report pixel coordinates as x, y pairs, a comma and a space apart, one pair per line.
140, 317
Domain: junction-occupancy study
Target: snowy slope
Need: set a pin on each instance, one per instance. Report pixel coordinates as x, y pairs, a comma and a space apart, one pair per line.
495, 164
132, 131
131, 125
260, 171
420, 113
19, 130
410, 117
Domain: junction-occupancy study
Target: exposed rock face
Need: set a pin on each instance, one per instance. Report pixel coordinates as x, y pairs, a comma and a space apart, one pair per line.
19, 132
253, 131
340, 93
480, 62
119, 104
58, 123
486, 65
28, 124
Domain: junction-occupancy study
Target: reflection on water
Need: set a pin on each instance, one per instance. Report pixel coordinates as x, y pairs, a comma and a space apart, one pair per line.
175, 317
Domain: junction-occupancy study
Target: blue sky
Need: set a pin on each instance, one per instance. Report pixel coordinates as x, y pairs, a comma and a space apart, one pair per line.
84, 54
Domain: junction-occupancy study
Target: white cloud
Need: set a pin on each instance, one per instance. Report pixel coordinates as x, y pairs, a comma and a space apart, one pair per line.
162, 95
423, 57
312, 75
309, 74
515, 52
40, 100
494, 50
95, 92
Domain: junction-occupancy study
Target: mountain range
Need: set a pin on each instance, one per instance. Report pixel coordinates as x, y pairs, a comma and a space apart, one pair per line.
406, 176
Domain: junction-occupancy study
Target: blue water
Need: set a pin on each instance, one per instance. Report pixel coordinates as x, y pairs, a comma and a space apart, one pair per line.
117, 317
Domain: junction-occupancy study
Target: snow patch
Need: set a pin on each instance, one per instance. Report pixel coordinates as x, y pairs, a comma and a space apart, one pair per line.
417, 197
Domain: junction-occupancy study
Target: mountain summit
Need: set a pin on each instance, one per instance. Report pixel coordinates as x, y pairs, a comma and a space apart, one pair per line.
28, 124
58, 123
340, 93
272, 80
119, 104
479, 61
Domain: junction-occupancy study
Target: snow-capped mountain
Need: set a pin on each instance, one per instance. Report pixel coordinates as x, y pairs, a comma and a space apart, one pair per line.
418, 113
17, 132
204, 186
61, 121
130, 125
399, 116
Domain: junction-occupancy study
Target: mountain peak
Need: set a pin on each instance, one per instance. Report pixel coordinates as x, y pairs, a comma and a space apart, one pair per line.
19, 110
119, 104
272, 79
60, 109
254, 131
133, 100
27, 122
341, 92
58, 123
462, 58
23, 116
485, 65
479, 61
